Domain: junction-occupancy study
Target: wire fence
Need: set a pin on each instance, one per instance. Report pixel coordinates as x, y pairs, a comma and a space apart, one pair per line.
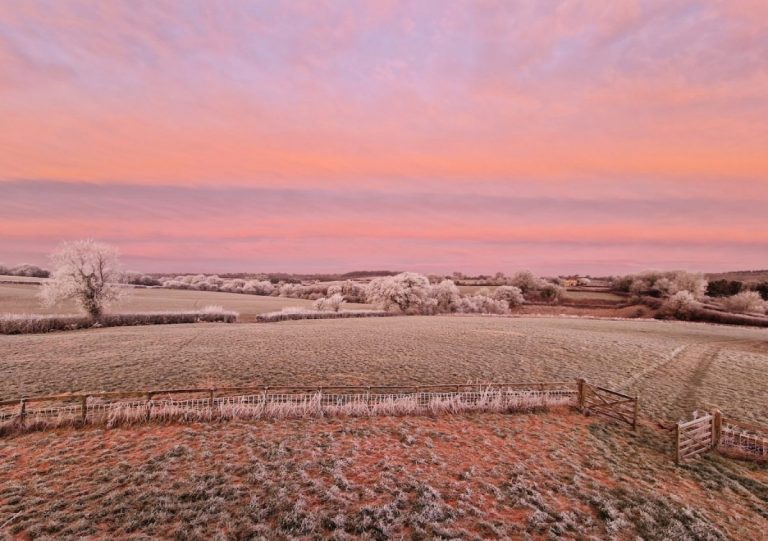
204, 404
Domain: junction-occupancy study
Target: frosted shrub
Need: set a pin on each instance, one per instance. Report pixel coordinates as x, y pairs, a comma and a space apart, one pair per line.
406, 291
745, 302
329, 304
351, 291
85, 271
481, 304
526, 281
682, 305
551, 292
445, 295
583, 282
512, 295
693, 282
258, 287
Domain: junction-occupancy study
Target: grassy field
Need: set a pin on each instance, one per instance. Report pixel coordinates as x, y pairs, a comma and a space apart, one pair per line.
593, 295
21, 298
541, 476
676, 367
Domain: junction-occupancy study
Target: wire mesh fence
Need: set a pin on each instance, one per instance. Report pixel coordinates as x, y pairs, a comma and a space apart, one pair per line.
44, 412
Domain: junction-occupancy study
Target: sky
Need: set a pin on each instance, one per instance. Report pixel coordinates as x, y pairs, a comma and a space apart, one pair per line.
586, 137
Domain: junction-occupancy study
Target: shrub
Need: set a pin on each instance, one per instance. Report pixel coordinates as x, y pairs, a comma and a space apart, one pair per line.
762, 288
138, 279
329, 304
583, 282
351, 291
551, 292
32, 323
526, 281
290, 314
446, 296
406, 291
724, 288
662, 284
745, 302
512, 295
481, 304
25, 269
682, 305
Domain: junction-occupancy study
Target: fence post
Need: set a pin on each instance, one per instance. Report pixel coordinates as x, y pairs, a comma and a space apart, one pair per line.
677, 443
582, 397
22, 411
717, 428
83, 408
149, 405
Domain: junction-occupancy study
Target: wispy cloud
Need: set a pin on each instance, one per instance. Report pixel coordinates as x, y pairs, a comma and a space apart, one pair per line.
455, 121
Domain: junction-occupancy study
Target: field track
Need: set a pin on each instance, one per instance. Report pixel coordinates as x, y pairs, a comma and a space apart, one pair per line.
675, 367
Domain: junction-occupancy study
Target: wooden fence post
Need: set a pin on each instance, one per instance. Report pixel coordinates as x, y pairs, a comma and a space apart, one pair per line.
149, 405
582, 397
22, 411
677, 443
717, 428
83, 409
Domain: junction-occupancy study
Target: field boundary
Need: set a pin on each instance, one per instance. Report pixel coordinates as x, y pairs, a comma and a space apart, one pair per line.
715, 432
260, 401
609, 403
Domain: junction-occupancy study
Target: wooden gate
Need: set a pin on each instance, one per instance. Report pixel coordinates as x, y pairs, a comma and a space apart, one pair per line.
695, 437
613, 404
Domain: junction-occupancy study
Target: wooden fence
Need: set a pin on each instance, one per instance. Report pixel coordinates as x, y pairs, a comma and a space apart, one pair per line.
695, 437
609, 403
713, 431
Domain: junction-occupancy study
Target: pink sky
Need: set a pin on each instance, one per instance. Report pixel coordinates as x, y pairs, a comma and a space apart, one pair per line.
594, 137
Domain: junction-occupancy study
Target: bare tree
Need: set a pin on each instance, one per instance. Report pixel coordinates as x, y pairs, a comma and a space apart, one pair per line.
86, 271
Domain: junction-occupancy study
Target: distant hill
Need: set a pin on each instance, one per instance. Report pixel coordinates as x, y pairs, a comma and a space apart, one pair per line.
741, 276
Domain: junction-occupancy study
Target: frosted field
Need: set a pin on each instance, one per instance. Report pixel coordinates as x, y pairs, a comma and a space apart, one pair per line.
676, 367
21, 298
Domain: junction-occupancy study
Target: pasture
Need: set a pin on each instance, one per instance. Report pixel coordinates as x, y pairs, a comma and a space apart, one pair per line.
675, 367
21, 298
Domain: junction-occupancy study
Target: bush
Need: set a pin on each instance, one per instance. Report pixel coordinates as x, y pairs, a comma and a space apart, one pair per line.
745, 302
481, 304
662, 284
329, 304
32, 323
138, 279
512, 295
551, 292
290, 314
526, 281
32, 271
682, 305
406, 291
762, 288
446, 296
724, 288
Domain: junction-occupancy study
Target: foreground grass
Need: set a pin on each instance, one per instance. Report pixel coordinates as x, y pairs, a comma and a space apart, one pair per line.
541, 476
682, 366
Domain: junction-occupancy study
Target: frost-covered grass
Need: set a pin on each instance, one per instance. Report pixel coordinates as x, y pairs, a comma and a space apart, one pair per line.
469, 476
403, 350
37, 323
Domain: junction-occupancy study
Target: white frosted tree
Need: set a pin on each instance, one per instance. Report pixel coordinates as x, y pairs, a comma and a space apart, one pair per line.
407, 291
87, 272
512, 295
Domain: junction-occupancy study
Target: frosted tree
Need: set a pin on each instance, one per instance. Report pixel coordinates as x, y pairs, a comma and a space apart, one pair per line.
85, 271
512, 295
406, 291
